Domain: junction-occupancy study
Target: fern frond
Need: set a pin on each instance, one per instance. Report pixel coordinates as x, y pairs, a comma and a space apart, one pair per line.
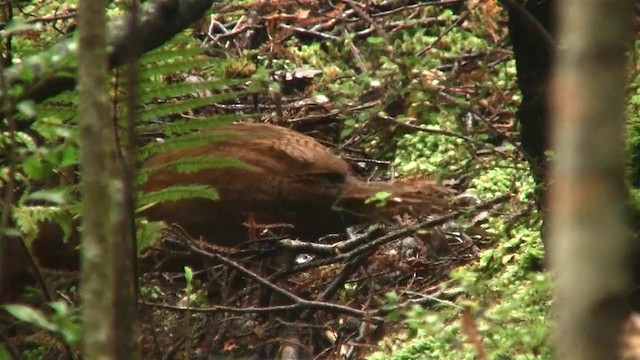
174, 193
186, 105
183, 65
59, 112
65, 97
182, 127
168, 54
196, 163
27, 218
181, 142
164, 91
147, 233
55, 126
23, 140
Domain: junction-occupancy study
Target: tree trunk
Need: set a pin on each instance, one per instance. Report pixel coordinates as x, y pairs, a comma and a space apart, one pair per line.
98, 186
125, 244
532, 33
589, 238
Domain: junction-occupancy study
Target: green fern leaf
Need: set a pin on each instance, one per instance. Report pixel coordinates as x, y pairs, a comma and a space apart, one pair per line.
187, 105
23, 140
27, 218
182, 89
147, 233
62, 113
180, 66
174, 193
189, 126
165, 53
178, 143
65, 97
197, 163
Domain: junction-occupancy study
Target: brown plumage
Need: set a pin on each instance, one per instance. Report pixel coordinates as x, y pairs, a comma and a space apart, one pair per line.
293, 179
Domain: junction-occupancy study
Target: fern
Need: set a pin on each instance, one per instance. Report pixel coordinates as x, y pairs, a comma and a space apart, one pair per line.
196, 163
187, 105
177, 143
26, 219
65, 97
57, 112
183, 65
180, 89
23, 140
54, 130
175, 193
165, 53
188, 127
164, 98
147, 233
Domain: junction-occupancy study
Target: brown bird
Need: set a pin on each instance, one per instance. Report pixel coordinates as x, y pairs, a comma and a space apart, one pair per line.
291, 179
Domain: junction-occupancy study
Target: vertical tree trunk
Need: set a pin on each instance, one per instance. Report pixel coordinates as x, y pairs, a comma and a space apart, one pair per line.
532, 31
98, 187
589, 239
124, 244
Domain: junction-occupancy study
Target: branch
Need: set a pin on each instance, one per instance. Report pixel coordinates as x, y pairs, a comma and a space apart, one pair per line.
299, 303
53, 71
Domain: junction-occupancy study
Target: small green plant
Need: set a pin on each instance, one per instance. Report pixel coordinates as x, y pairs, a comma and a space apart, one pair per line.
380, 199
188, 276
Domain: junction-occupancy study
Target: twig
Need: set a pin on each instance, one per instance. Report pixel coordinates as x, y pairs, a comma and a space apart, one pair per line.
442, 132
458, 21
394, 236
504, 137
48, 18
344, 275
423, 300
299, 303
304, 31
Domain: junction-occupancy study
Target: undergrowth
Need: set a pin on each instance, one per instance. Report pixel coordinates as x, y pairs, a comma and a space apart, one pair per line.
435, 99
501, 300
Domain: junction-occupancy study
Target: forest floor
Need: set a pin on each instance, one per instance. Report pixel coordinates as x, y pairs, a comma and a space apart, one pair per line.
399, 89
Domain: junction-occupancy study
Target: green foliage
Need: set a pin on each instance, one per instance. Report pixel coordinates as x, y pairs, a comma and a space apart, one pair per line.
188, 276
27, 217
153, 293
197, 163
188, 127
380, 198
509, 301
147, 233
174, 193
193, 297
176, 143
416, 75
431, 153
63, 321
500, 177
51, 147
633, 138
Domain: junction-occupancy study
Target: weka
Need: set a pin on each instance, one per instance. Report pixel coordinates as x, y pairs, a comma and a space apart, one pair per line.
292, 179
